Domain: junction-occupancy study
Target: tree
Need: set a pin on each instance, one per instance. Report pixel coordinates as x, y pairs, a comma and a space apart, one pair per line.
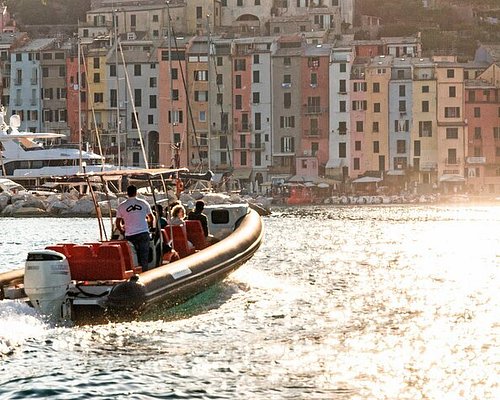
48, 12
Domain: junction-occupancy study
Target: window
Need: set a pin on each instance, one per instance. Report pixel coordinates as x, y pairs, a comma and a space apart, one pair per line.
450, 73
201, 75
342, 128
343, 67
175, 73
287, 100
287, 78
199, 12
401, 146
401, 125
200, 95
155, 18
452, 157
425, 106
342, 106
477, 112
472, 96
360, 86
97, 78
96, 62
416, 148
452, 112
133, 20
287, 61
257, 2
451, 133
358, 105
314, 79
287, 144
137, 69
357, 145
287, 122
220, 61
152, 82
151, 119
256, 76
477, 132
425, 129
402, 90
175, 117
375, 127
342, 86
112, 70
220, 98
237, 82
496, 133
152, 101
240, 65
238, 102
175, 94
239, 3
359, 126
257, 121
98, 98
138, 97
256, 59
452, 91
256, 97
342, 150
425, 89
376, 147
112, 98
356, 163
62, 70
45, 72
218, 79
376, 87
202, 116
402, 106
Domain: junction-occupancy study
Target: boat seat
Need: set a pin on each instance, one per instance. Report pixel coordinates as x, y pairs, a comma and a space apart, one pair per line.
195, 234
128, 256
180, 240
111, 263
82, 262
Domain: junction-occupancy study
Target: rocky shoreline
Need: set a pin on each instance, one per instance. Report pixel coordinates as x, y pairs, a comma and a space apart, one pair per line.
72, 204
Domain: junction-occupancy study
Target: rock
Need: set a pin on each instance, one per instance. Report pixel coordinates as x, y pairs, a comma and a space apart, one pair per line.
8, 211
57, 207
82, 207
4, 200
29, 212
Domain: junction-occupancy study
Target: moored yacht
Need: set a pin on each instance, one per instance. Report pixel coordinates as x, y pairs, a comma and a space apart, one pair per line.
25, 159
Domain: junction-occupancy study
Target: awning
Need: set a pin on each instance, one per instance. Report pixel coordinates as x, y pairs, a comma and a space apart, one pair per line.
367, 179
301, 179
452, 178
396, 172
334, 164
242, 173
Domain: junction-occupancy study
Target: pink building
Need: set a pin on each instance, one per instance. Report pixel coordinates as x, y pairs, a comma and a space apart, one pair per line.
72, 95
312, 154
358, 107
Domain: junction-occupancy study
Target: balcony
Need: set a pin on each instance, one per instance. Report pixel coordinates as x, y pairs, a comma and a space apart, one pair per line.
244, 127
452, 161
312, 133
308, 110
257, 146
286, 85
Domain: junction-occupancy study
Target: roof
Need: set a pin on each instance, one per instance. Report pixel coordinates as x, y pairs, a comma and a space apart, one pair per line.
36, 45
133, 173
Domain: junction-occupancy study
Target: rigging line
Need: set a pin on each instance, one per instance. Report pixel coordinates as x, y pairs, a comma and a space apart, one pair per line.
133, 106
90, 94
188, 101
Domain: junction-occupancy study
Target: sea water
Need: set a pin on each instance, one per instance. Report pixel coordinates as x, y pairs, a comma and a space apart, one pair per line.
387, 302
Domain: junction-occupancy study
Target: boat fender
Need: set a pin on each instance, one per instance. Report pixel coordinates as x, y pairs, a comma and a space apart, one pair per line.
126, 298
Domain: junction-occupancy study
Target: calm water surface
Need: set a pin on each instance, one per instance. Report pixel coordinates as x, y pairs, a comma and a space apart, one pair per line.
339, 303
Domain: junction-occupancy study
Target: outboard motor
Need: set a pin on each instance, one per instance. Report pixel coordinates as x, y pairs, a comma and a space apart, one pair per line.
46, 282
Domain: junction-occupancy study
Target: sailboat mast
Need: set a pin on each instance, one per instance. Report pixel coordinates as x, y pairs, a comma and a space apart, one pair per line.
209, 138
173, 145
118, 133
79, 80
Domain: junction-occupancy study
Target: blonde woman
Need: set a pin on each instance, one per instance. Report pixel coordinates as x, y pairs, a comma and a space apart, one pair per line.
178, 214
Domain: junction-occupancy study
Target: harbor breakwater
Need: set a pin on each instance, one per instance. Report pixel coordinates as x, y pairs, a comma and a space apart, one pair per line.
73, 204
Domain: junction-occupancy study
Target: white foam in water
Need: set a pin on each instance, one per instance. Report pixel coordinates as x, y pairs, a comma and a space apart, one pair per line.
19, 323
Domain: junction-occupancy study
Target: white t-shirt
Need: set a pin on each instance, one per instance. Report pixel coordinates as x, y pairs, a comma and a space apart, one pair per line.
133, 211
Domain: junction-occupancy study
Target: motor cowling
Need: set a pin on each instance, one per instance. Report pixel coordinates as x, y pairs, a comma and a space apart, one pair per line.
46, 282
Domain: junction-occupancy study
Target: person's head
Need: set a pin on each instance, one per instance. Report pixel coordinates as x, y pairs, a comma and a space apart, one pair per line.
178, 212
131, 191
199, 206
159, 210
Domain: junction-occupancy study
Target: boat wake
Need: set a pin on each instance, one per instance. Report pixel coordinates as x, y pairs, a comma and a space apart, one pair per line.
20, 323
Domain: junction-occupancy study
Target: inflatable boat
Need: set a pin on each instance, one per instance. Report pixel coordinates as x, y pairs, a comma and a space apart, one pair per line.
101, 281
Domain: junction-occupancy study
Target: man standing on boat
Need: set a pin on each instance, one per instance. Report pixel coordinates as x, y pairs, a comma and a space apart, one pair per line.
133, 218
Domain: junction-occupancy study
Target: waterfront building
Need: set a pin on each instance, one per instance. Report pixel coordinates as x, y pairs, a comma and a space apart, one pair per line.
8, 42
424, 132
451, 124
287, 105
339, 152
312, 152
482, 111
221, 106
358, 109
26, 86
377, 76
198, 95
261, 108
400, 116
173, 102
200, 12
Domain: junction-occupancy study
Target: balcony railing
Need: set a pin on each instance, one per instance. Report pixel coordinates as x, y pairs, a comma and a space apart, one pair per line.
452, 161
315, 109
244, 127
257, 146
312, 132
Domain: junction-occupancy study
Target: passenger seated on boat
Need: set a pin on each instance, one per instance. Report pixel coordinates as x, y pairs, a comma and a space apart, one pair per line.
134, 218
178, 215
198, 215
